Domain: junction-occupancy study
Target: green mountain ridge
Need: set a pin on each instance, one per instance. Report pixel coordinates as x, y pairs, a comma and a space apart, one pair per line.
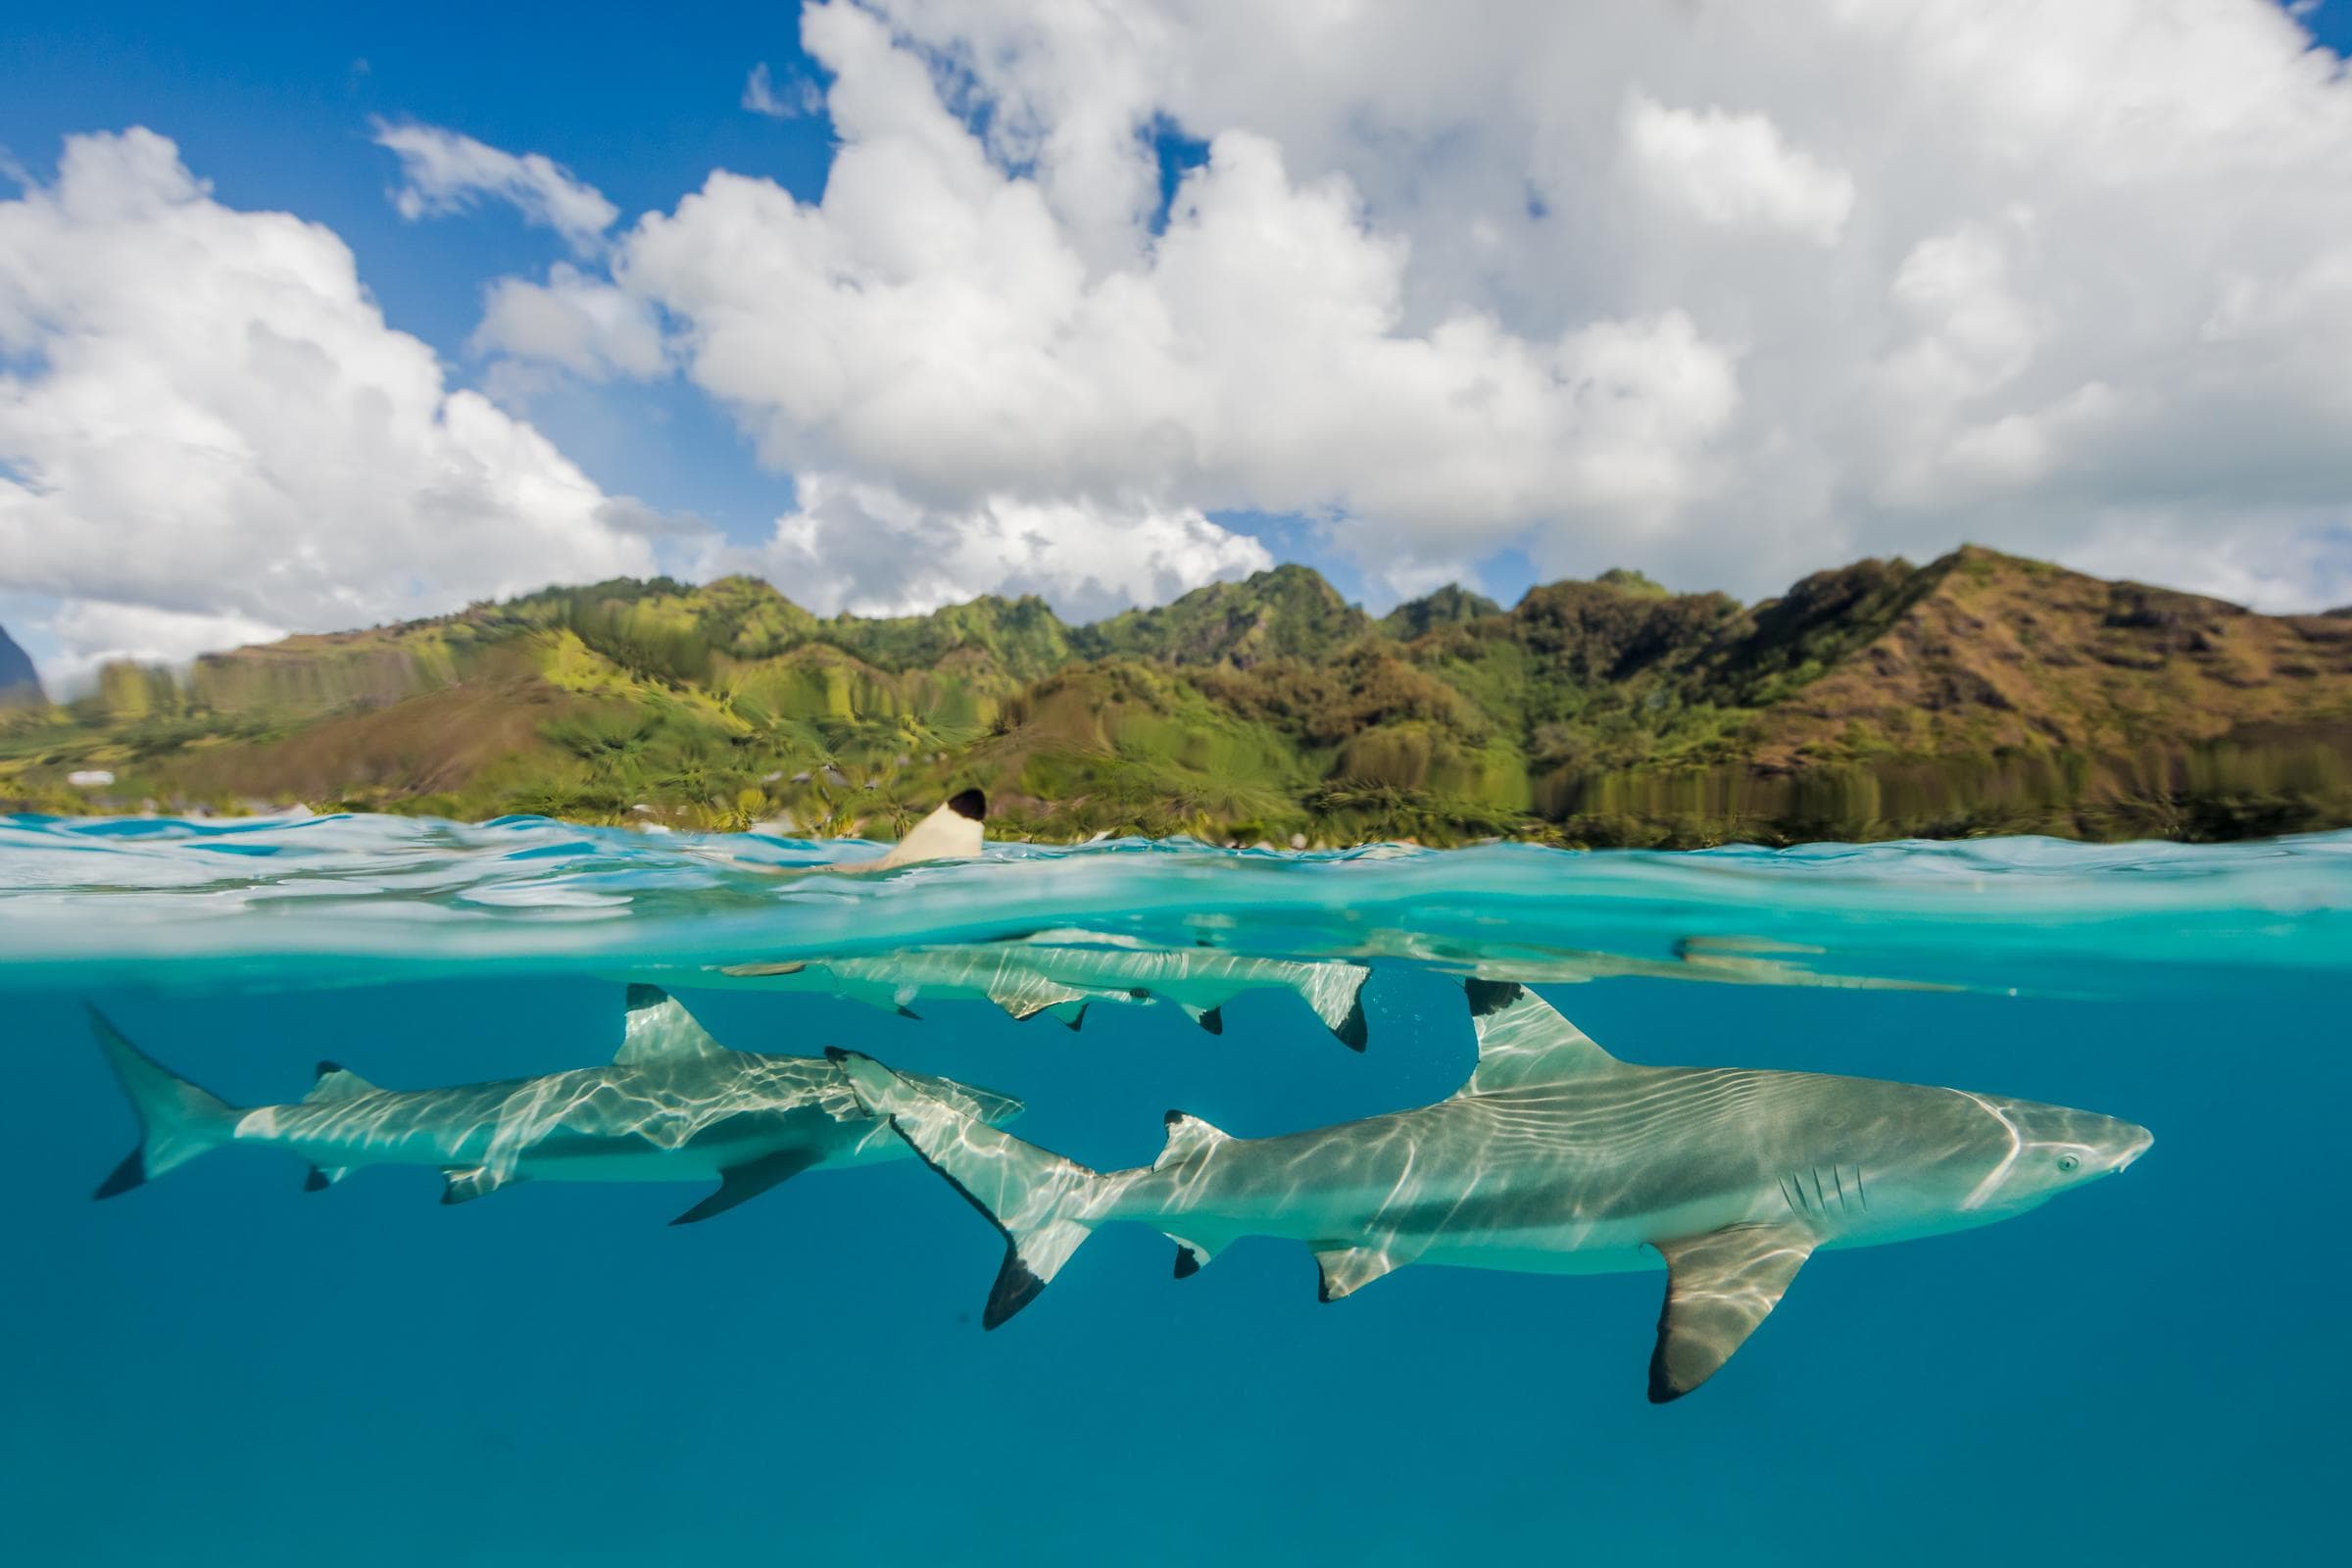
1978, 693
20, 682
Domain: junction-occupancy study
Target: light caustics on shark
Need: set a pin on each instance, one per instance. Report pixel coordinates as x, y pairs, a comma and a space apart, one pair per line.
1554, 1157
1061, 973
673, 1106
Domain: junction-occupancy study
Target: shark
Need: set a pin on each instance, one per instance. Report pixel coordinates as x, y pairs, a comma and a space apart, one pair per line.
1061, 973
673, 1106
1556, 1157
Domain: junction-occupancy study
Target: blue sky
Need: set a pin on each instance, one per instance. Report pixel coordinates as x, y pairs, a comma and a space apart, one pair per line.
1656, 298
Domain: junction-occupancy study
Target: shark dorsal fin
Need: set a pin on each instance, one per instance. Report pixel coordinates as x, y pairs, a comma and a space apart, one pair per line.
1522, 1041
1187, 1136
337, 1083
658, 1029
952, 832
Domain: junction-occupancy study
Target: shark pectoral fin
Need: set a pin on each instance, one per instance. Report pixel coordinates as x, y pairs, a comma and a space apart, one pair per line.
320, 1177
1348, 1269
658, 1029
1023, 999
472, 1182
1718, 1287
740, 1184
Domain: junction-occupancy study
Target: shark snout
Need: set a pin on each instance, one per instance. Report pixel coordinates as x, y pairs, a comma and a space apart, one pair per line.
2134, 1144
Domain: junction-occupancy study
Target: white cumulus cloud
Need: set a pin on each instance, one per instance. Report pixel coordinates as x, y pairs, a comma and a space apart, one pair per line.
1733, 170
870, 551
443, 172
208, 433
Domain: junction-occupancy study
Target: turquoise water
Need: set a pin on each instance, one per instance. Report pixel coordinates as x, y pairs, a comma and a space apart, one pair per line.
220, 1367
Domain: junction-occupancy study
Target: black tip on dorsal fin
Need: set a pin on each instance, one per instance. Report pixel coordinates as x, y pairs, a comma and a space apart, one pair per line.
1491, 996
645, 997
1188, 1262
835, 1054
326, 1067
970, 805
1213, 1020
1355, 1030
132, 1172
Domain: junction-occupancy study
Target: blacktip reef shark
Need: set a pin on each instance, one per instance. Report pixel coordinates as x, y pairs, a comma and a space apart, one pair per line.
1554, 1157
1061, 973
673, 1106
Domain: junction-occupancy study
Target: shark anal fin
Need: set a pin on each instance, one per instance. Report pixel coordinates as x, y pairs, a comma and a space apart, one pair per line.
1718, 1287
1348, 1269
740, 1184
659, 1029
320, 1177
472, 1182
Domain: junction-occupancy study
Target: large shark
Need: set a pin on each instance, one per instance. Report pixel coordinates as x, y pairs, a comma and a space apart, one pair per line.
674, 1106
1554, 1157
1060, 972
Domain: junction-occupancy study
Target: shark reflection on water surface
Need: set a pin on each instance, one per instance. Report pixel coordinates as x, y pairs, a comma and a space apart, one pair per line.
1554, 1157
673, 1106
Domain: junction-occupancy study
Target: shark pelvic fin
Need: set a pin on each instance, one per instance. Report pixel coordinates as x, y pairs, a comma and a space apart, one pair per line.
658, 1029
740, 1184
472, 1182
1072, 1017
1188, 1136
1348, 1269
1191, 1256
1718, 1287
1523, 1040
318, 1178
337, 1083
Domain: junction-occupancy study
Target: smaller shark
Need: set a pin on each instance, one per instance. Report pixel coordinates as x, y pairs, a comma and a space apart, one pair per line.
1555, 1158
1061, 973
674, 1106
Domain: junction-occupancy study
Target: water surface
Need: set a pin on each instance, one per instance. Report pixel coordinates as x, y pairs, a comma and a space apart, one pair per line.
220, 1367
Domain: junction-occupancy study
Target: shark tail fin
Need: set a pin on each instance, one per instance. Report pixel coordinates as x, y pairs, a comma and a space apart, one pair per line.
178, 1121
1336, 992
1044, 1206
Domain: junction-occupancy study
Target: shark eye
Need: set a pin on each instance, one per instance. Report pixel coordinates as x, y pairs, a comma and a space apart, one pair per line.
2068, 1164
